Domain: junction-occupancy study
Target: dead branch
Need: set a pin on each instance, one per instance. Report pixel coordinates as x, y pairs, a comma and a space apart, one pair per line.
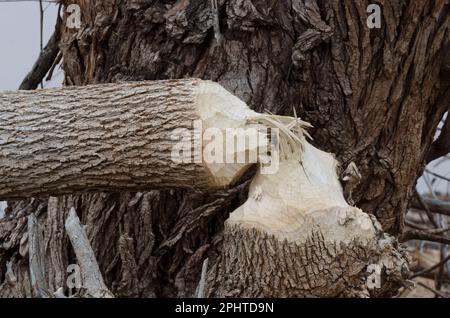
437, 293
423, 228
430, 269
90, 272
421, 235
42, 64
52, 68
426, 209
434, 206
437, 175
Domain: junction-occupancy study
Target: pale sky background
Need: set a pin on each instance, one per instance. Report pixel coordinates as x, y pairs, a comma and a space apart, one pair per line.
19, 40
19, 48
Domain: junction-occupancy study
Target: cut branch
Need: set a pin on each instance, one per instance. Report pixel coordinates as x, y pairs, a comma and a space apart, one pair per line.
434, 291
426, 209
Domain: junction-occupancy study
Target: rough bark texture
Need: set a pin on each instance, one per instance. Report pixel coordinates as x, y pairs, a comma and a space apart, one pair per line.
256, 264
374, 97
104, 137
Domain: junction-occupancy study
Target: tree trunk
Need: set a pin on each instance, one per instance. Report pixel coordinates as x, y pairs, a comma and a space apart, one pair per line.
374, 97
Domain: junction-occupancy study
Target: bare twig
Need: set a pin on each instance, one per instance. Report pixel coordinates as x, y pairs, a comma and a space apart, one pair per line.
427, 210
36, 257
437, 293
437, 175
415, 226
434, 206
42, 65
430, 269
421, 235
52, 68
438, 206
423, 228
90, 272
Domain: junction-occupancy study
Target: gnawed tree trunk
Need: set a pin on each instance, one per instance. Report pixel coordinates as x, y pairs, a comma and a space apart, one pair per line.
374, 97
295, 235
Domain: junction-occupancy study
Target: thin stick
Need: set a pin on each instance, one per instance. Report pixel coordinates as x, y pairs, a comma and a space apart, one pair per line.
437, 293
430, 269
421, 235
41, 30
427, 210
52, 68
423, 228
42, 64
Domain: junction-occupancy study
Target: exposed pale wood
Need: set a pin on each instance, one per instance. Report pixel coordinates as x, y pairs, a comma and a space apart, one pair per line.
441, 146
91, 276
296, 236
422, 235
59, 293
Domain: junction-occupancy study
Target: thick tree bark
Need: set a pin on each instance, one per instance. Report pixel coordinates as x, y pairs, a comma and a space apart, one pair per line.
374, 97
296, 210
109, 137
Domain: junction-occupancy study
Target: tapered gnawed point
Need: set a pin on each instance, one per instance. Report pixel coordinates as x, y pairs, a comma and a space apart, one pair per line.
219, 110
291, 236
